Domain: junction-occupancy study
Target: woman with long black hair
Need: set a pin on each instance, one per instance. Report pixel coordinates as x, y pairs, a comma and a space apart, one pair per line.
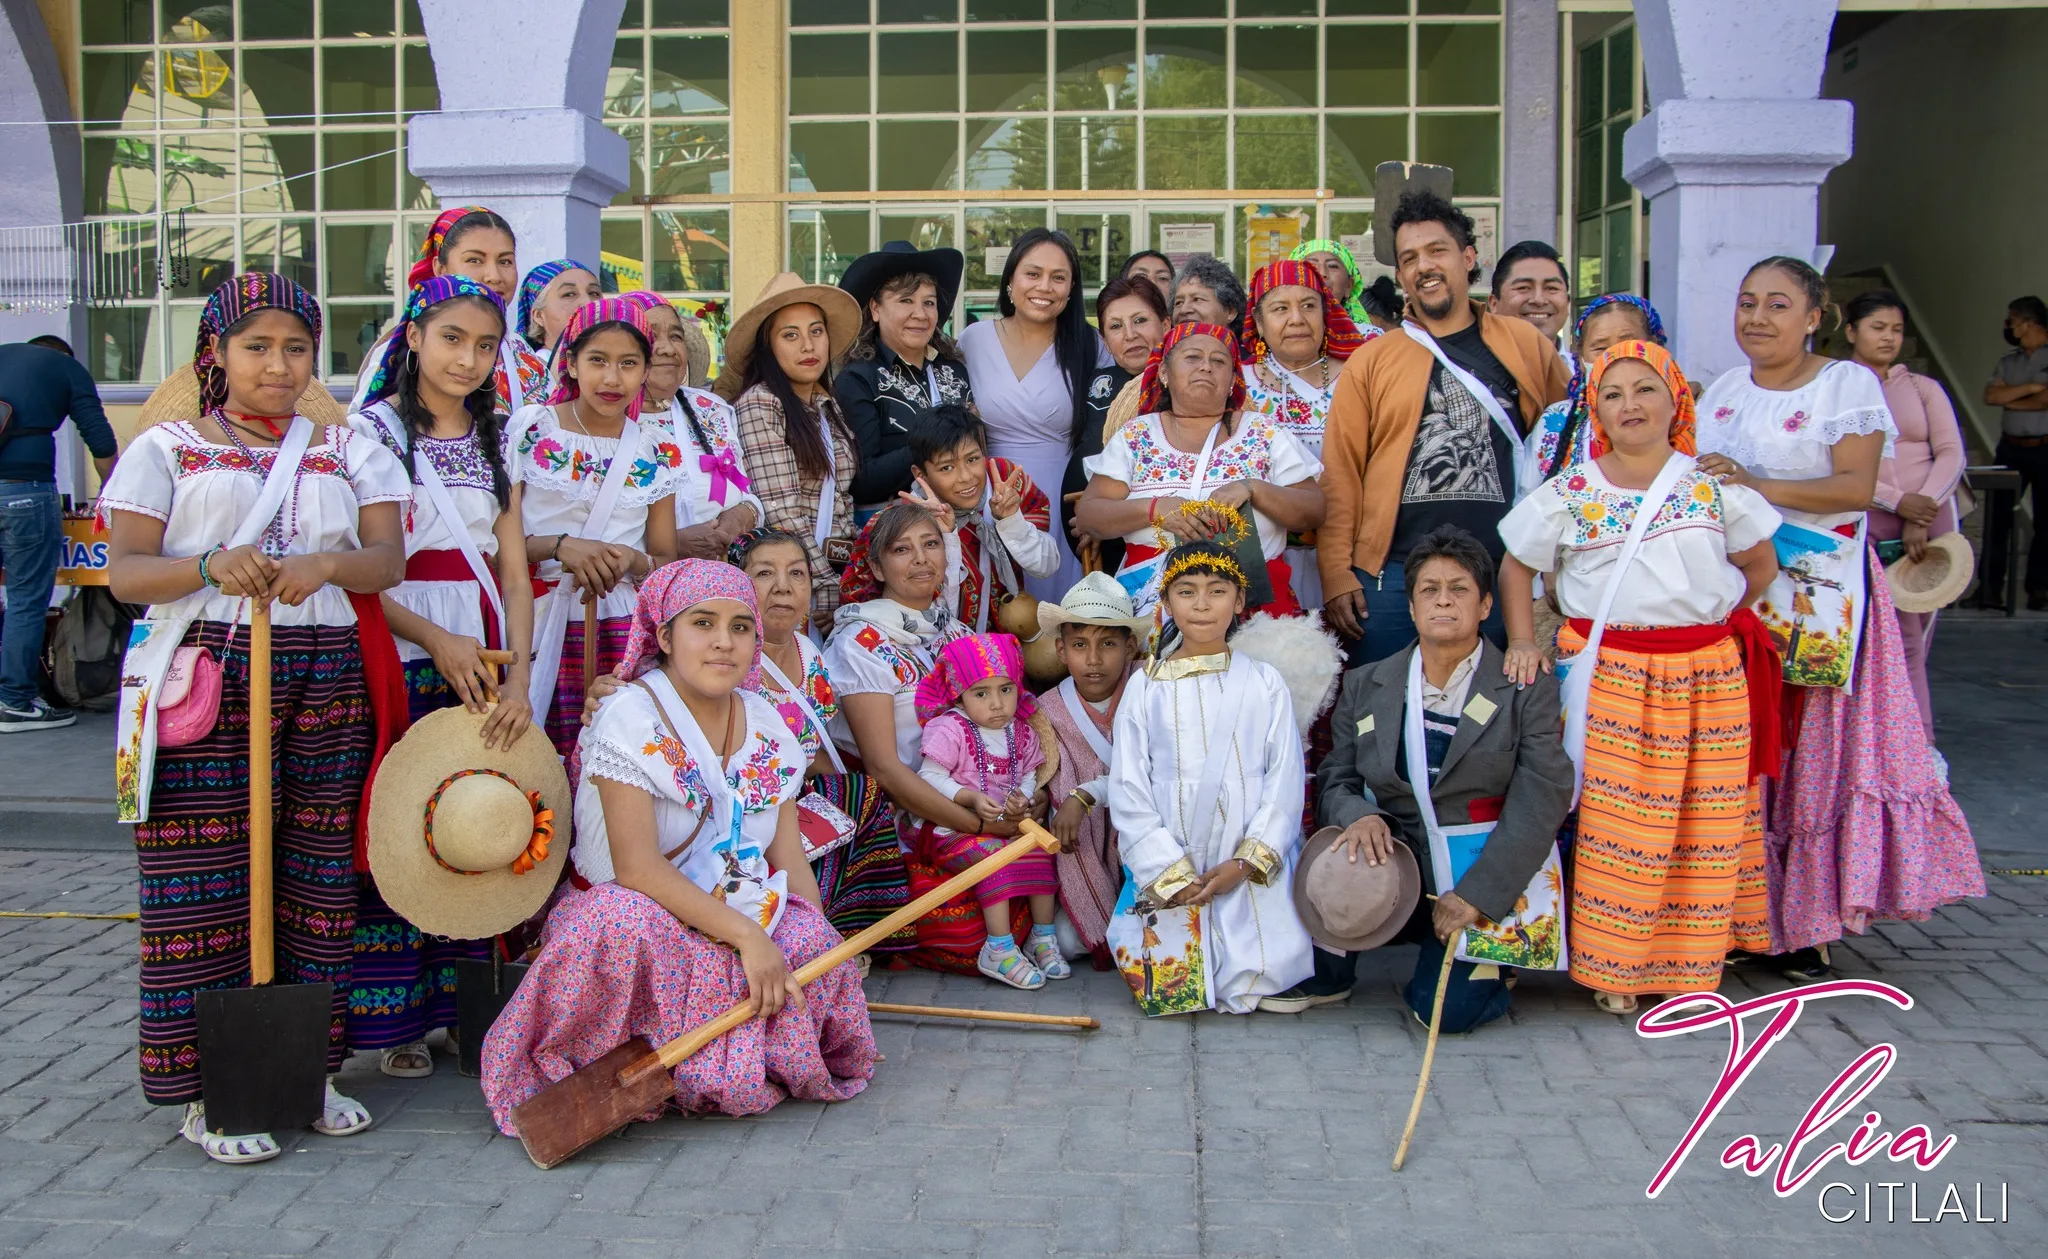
1030, 368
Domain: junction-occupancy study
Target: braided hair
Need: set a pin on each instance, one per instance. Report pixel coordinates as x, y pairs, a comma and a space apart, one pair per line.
403, 391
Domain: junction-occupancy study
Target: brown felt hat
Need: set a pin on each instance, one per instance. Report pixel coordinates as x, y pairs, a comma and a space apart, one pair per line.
449, 817
842, 324
1350, 905
1935, 581
178, 399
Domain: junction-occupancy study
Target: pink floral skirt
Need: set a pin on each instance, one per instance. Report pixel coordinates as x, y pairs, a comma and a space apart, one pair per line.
1862, 826
617, 965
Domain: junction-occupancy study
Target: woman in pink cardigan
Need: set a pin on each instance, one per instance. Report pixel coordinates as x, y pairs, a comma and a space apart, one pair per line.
1916, 484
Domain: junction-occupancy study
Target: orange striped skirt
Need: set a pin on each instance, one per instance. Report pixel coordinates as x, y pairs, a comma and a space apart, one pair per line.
1668, 869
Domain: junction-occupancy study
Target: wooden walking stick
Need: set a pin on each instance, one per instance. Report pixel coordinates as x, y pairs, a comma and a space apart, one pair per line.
594, 1101
1436, 1022
988, 1016
589, 640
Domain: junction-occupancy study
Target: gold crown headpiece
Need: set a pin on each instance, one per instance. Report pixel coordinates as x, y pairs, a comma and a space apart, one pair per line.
1221, 565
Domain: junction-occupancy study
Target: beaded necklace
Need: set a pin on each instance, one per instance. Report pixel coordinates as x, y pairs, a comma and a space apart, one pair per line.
277, 535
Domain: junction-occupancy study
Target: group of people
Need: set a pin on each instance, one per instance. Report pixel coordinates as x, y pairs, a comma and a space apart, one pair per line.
819, 638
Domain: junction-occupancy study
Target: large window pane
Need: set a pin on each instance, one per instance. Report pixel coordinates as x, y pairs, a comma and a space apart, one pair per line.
1590, 241
625, 93
663, 13
359, 259
1103, 241
1096, 68
828, 156
117, 340
341, 18
1457, 65
1591, 164
196, 22
923, 231
361, 170
1356, 144
198, 87
199, 171
1430, 8
1094, 10
112, 89
289, 247
689, 75
917, 11
271, 21
920, 72
1005, 70
1006, 153
989, 233
692, 250
635, 136
120, 175
1006, 10
1100, 152
1276, 65
1621, 64
1367, 65
414, 23
421, 91
1618, 188
1185, 67
828, 12
621, 255
1591, 81
1620, 252
822, 242
1189, 8
1467, 143
208, 248
351, 332
689, 157
1186, 152
828, 74
1276, 151
277, 171
114, 22
358, 80
282, 81
912, 156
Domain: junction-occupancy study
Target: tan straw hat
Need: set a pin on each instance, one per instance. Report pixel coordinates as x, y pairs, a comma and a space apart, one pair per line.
178, 399
1096, 599
1350, 905
1935, 581
842, 324
452, 822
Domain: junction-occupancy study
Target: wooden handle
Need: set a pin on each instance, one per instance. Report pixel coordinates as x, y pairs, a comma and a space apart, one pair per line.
503, 658
986, 1016
1034, 838
1436, 1022
589, 638
262, 940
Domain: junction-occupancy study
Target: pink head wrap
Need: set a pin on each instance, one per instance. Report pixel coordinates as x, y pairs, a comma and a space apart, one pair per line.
674, 589
562, 386
963, 663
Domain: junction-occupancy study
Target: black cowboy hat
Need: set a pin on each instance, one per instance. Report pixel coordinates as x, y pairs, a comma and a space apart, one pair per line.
866, 274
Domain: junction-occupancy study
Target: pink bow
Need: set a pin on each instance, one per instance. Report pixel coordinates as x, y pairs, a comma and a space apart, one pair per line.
724, 471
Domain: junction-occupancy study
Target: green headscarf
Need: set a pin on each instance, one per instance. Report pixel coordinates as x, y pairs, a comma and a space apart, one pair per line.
1324, 245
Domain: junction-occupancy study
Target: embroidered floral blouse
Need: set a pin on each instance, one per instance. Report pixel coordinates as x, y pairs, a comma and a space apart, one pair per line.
817, 687
1790, 434
1259, 449
1297, 408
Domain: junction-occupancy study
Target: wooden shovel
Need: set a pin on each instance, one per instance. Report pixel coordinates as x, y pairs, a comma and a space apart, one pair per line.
263, 1049
571, 1114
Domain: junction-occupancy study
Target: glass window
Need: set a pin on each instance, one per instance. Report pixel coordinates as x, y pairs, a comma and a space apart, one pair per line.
414, 23
688, 75
114, 91
828, 156
917, 11
1591, 164
1006, 153
289, 247
1433, 8
828, 74
626, 85
120, 175
916, 155
1276, 65
199, 171
1621, 64
1356, 144
1103, 241
671, 13
689, 157
1367, 65
1188, 8
990, 230
1457, 65
1590, 254
1006, 10
1468, 144
361, 170
622, 254
919, 72
827, 12
1276, 8
359, 259
923, 231
1005, 70
1100, 152
1185, 67
822, 242
1096, 68
270, 21
281, 80
117, 337
1276, 151
1094, 10
635, 136
364, 18
352, 331
1592, 106
358, 81
421, 91
1620, 250
1186, 151
114, 22
1618, 188
691, 250
277, 171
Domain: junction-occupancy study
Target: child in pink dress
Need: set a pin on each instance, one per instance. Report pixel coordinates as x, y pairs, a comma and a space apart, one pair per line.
980, 750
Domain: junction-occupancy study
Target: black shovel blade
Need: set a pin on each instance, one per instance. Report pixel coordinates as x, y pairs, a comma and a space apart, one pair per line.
481, 991
263, 1056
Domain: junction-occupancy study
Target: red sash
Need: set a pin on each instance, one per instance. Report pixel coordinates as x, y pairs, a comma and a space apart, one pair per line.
385, 679
1760, 662
452, 566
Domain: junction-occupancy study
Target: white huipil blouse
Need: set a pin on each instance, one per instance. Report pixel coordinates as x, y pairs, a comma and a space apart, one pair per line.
702, 492
455, 606
1170, 714
1790, 434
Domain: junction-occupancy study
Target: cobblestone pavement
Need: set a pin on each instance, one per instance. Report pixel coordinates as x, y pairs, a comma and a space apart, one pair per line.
1264, 1135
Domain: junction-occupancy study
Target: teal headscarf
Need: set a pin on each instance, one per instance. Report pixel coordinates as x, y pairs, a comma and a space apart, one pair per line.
1324, 245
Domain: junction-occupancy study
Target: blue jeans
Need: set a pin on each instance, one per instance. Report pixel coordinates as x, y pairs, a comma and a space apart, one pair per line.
31, 524
1468, 1002
1388, 626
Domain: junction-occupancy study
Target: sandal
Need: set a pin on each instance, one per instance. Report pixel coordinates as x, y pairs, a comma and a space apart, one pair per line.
1009, 967
407, 1062
340, 1116
254, 1147
1044, 952
1620, 1003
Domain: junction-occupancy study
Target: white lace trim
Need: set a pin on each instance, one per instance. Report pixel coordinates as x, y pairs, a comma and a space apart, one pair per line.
1860, 422
602, 760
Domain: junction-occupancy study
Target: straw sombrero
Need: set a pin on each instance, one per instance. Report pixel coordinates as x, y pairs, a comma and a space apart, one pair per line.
178, 399
842, 324
450, 821
1934, 582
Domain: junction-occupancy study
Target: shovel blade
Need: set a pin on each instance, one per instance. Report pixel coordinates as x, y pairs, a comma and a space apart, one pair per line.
263, 1056
575, 1112
481, 991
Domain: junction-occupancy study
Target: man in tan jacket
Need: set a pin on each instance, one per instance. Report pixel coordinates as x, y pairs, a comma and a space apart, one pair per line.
1425, 430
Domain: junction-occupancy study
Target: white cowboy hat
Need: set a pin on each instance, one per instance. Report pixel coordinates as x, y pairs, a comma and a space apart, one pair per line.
1935, 581
1096, 599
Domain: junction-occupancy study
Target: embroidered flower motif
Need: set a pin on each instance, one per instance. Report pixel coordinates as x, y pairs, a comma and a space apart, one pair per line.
1722, 413
688, 781
1576, 483
762, 779
1796, 422
1595, 512
1702, 493
549, 453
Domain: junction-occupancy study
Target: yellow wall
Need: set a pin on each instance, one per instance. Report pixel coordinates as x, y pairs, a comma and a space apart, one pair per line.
61, 17
759, 164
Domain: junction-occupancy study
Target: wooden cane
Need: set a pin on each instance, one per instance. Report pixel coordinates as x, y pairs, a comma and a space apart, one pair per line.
1436, 1021
989, 1016
262, 926
589, 638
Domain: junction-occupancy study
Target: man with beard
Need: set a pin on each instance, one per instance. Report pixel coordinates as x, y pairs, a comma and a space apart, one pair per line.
1530, 282
1424, 428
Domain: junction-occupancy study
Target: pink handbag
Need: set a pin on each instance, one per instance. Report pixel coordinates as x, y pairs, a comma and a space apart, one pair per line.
188, 705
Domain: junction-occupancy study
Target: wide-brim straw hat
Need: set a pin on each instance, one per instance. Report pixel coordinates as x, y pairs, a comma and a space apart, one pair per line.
1096, 599
449, 817
866, 274
178, 399
842, 324
1935, 581
1349, 905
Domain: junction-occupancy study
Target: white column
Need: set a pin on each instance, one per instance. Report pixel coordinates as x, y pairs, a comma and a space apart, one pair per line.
1529, 170
522, 92
1731, 155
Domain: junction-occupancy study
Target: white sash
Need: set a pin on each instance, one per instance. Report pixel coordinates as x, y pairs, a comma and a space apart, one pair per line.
1085, 721
444, 506
1416, 751
1483, 396
547, 640
155, 639
829, 490
1576, 672
803, 700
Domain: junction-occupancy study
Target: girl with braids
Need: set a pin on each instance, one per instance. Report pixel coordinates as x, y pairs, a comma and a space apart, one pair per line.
466, 589
1562, 432
714, 505
477, 244
1861, 824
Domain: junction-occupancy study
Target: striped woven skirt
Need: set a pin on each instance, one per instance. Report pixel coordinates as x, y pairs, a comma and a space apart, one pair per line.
1668, 867
565, 717
865, 881
404, 982
193, 851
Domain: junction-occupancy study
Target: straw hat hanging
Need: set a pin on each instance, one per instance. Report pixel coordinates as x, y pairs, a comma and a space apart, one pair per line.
178, 399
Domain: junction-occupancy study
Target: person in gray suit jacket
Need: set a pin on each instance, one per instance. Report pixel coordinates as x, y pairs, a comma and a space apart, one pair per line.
1495, 752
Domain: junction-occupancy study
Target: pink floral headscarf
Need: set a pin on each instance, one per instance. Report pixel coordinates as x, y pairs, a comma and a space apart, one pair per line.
674, 589
562, 386
969, 660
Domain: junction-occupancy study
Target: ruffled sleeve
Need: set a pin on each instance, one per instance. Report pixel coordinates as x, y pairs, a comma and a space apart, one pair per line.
611, 747
374, 471
145, 479
1115, 461
518, 435
1535, 528
856, 668
1747, 518
1851, 403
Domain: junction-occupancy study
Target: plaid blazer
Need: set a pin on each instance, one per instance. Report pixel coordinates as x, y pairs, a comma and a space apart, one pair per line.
790, 497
